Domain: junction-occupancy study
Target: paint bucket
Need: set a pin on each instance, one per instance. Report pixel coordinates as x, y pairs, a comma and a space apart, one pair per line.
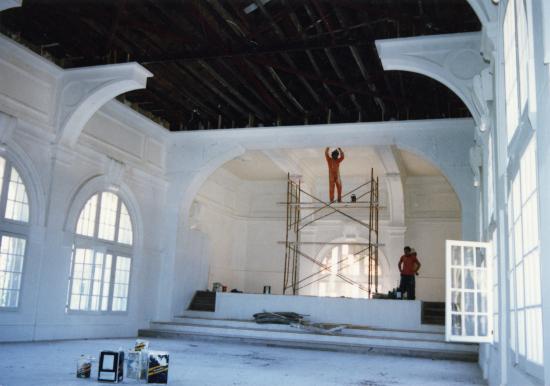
83, 367
267, 289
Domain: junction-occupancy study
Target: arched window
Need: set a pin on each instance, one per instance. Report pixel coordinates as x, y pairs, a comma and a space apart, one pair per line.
352, 263
14, 224
102, 256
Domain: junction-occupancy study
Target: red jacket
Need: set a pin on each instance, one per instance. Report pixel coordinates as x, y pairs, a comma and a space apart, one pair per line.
409, 264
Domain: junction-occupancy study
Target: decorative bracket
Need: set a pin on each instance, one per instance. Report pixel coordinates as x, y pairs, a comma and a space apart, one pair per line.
453, 60
83, 91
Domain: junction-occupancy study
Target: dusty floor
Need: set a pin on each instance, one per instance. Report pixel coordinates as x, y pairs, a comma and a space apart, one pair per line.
207, 363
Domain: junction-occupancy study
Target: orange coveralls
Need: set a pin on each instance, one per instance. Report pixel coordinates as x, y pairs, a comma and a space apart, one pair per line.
334, 174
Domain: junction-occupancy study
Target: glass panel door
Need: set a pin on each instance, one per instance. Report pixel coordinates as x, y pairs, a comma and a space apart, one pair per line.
468, 307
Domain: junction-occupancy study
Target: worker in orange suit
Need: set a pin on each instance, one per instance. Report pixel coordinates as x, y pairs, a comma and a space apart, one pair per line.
333, 162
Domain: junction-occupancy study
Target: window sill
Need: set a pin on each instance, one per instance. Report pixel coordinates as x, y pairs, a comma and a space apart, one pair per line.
95, 313
9, 309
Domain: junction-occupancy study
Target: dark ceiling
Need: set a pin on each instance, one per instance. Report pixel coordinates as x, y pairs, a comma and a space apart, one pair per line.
251, 62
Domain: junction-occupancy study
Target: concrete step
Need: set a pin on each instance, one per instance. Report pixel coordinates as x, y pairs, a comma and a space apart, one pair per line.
419, 344
351, 330
209, 315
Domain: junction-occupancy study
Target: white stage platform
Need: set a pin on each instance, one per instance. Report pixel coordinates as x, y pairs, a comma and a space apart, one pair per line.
377, 313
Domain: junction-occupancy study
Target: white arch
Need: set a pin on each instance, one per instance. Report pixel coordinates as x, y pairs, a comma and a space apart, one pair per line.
195, 155
188, 186
96, 184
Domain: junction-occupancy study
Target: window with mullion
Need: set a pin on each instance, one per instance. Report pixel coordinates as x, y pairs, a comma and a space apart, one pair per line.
14, 222
101, 263
516, 64
524, 265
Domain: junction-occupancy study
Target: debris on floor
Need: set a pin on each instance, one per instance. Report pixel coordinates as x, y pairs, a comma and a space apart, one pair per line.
298, 320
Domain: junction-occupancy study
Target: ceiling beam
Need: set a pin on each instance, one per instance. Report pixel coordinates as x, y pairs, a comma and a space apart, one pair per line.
244, 112
245, 77
360, 64
252, 50
258, 112
328, 51
285, 55
264, 81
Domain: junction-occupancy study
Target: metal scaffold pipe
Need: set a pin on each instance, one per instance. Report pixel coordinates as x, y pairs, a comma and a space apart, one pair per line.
295, 223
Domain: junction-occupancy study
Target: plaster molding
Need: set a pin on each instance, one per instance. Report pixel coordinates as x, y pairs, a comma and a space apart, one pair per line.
129, 117
394, 231
114, 171
453, 60
394, 183
31, 178
8, 123
288, 164
7, 4
82, 91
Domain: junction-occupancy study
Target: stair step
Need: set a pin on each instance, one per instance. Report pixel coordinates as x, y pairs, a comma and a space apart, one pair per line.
350, 330
412, 343
433, 313
203, 301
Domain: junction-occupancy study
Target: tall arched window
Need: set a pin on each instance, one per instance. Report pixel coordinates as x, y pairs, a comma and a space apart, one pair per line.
102, 256
14, 224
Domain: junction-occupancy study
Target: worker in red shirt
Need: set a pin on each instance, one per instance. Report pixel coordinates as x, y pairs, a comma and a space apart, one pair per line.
333, 162
408, 266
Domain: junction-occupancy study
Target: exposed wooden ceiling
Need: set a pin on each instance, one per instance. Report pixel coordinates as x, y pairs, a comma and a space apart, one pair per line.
251, 62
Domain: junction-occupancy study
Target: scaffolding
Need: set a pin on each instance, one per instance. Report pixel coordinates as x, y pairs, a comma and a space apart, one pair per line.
366, 196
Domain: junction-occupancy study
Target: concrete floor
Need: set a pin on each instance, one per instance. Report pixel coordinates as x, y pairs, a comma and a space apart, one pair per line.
208, 363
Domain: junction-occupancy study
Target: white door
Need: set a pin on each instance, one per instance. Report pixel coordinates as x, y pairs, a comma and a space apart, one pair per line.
468, 305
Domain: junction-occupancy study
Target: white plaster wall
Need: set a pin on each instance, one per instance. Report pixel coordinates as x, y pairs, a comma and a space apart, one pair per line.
243, 224
59, 179
432, 215
27, 84
41, 314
